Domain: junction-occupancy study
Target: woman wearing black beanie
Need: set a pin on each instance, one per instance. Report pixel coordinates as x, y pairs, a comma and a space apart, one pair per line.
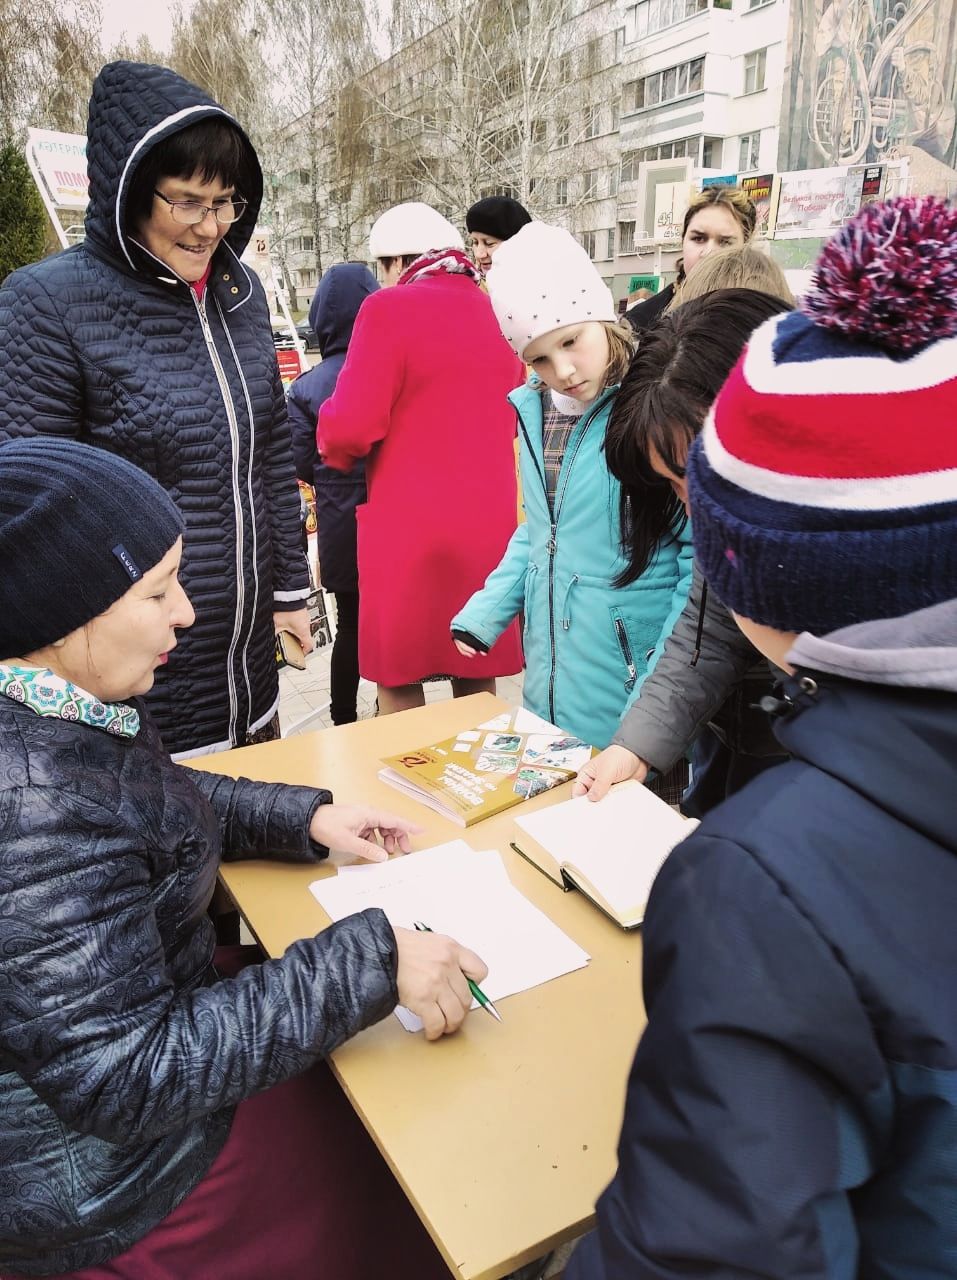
164, 1105
489, 222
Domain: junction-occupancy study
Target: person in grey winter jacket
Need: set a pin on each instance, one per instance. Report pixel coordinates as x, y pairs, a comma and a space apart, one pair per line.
128, 1061
152, 340
791, 1112
704, 693
332, 315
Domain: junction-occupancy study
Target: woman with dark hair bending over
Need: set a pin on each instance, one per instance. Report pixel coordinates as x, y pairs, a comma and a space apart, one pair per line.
152, 340
709, 678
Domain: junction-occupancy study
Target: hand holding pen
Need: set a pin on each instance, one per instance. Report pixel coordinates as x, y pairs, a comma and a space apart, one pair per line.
474, 987
433, 979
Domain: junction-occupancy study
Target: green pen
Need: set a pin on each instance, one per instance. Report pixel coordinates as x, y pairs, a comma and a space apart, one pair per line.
474, 987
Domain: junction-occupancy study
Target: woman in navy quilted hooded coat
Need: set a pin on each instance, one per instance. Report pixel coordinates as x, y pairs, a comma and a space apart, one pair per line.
151, 339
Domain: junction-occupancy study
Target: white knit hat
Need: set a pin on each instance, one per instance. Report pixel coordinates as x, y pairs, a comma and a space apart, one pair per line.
412, 228
542, 279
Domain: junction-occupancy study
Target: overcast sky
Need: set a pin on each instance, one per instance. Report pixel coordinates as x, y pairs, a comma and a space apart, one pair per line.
148, 17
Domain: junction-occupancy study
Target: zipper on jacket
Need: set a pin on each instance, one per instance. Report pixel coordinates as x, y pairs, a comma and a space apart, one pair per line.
200, 304
625, 645
552, 545
254, 556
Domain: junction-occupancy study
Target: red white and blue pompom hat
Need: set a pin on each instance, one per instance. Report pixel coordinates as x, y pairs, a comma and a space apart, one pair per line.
824, 485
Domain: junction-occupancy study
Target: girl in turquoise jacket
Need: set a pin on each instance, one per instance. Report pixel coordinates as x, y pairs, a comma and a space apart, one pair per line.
588, 642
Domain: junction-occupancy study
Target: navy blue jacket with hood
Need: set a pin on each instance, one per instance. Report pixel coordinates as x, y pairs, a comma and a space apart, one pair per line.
332, 315
104, 344
792, 1108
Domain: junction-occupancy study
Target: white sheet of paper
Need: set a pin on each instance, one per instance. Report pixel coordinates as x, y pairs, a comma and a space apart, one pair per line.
468, 896
619, 843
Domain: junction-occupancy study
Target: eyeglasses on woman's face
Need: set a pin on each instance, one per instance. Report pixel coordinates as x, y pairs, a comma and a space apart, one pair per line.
190, 212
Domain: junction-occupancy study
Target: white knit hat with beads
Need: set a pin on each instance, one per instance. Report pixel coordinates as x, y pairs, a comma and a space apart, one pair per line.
542, 279
412, 228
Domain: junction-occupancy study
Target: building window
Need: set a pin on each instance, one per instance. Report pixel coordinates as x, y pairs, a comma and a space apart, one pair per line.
565, 69
610, 242
592, 56
626, 237
589, 243
561, 192
758, 4
539, 131
749, 152
667, 151
614, 116
613, 180
562, 129
665, 86
655, 15
711, 152
755, 65
591, 184
592, 121
629, 167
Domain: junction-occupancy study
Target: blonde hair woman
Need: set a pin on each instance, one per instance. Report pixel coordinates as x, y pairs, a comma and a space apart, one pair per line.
716, 218
747, 268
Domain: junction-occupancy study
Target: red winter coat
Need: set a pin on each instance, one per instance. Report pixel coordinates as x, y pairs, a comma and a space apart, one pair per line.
422, 393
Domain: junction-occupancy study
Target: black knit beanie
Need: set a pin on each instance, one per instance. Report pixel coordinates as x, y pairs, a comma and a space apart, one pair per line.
497, 216
78, 526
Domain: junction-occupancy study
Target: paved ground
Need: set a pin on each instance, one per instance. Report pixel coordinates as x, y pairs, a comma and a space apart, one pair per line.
304, 695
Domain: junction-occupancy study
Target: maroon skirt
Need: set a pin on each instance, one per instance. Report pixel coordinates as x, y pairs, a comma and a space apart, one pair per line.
298, 1191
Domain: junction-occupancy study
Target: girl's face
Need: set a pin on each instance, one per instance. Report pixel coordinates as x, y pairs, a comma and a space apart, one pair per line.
678, 483
115, 656
483, 246
712, 228
572, 359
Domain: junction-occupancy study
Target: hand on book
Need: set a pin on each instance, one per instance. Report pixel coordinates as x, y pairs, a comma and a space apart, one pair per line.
355, 830
614, 764
432, 979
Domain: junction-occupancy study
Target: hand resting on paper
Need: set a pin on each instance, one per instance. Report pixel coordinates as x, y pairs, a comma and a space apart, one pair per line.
614, 764
351, 830
432, 979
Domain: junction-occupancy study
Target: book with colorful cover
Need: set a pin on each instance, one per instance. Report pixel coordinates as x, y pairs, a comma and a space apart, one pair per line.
482, 771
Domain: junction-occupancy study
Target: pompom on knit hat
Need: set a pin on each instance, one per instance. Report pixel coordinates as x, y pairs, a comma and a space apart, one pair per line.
823, 487
412, 228
497, 216
542, 279
78, 526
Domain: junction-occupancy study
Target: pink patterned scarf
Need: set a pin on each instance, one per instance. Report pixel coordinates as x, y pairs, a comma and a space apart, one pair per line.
452, 261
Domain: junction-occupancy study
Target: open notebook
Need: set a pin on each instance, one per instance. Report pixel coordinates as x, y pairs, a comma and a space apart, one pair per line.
611, 850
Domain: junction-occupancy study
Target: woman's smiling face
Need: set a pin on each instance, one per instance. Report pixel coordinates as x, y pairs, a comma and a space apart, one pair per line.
186, 250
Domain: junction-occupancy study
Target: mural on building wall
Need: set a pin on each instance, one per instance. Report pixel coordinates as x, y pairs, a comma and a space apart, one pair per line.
868, 78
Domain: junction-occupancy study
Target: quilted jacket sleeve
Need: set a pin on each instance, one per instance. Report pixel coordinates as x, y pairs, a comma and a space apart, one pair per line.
357, 414
262, 819
676, 699
290, 574
744, 1114
90, 1016
41, 378
302, 428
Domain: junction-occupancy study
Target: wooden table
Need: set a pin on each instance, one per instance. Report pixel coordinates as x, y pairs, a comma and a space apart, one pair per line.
503, 1135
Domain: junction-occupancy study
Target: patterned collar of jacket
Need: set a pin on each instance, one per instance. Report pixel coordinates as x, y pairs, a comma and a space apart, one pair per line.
50, 695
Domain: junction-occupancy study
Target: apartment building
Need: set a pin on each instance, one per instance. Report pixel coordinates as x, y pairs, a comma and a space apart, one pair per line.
702, 98
579, 110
